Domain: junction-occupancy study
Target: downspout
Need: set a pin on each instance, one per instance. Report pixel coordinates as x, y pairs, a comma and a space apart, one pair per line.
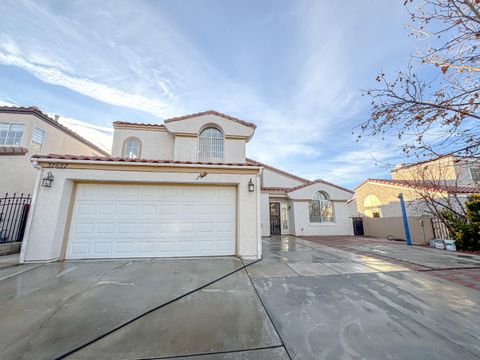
28, 226
259, 218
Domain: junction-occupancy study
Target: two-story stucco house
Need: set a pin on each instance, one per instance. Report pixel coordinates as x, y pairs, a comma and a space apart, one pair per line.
182, 188
25, 132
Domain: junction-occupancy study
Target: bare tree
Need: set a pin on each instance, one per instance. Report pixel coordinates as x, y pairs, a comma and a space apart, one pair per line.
435, 187
433, 105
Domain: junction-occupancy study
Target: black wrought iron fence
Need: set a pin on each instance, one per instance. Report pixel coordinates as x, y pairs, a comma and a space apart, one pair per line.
13, 217
440, 230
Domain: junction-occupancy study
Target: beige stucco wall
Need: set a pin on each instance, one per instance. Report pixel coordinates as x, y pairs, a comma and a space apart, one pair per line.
195, 124
342, 224
154, 143
18, 174
420, 228
49, 212
388, 196
186, 149
265, 213
442, 168
180, 141
272, 178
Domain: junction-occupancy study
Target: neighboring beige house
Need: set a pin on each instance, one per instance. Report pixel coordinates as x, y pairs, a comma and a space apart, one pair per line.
448, 179
25, 132
182, 188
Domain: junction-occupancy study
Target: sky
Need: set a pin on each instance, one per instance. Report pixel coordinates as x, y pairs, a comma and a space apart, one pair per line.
294, 68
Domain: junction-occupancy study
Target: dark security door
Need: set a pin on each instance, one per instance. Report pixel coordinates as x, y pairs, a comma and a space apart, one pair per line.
275, 228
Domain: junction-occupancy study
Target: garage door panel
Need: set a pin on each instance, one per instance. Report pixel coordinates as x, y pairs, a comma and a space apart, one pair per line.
111, 221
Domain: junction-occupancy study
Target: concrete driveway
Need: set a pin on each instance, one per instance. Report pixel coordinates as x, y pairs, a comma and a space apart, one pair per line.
310, 300
48, 310
331, 303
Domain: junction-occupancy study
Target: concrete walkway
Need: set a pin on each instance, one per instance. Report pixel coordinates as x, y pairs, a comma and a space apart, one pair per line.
328, 303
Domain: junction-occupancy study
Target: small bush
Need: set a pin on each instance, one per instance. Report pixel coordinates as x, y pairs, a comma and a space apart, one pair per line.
465, 230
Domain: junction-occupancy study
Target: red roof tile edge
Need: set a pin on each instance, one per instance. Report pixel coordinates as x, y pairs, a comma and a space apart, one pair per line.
36, 111
211, 112
423, 185
13, 150
274, 188
319, 181
298, 178
128, 160
138, 124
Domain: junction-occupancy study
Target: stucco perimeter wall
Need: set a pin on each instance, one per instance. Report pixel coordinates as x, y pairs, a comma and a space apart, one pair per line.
17, 172
49, 213
382, 227
154, 143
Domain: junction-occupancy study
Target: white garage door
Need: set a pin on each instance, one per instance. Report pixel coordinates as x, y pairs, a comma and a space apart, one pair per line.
123, 221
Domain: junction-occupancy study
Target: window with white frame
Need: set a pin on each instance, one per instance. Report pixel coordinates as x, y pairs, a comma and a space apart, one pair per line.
131, 148
11, 133
210, 145
475, 174
320, 208
37, 138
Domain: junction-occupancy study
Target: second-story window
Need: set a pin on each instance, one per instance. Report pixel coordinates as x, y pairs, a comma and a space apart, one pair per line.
37, 138
475, 173
210, 145
11, 133
132, 148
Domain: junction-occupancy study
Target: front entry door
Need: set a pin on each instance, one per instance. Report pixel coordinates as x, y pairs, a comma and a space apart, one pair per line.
275, 228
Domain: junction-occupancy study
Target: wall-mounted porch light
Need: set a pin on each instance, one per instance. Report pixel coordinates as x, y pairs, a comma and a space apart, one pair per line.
47, 180
251, 186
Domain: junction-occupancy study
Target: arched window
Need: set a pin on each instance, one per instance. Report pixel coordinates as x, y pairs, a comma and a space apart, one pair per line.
371, 206
320, 208
210, 145
131, 148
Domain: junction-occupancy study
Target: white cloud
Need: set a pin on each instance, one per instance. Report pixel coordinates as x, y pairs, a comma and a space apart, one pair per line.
101, 136
138, 57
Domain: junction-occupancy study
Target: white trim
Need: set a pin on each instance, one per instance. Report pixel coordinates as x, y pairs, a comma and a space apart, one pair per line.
23, 134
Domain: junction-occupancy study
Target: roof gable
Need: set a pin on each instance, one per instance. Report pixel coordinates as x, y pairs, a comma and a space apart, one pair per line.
211, 112
39, 114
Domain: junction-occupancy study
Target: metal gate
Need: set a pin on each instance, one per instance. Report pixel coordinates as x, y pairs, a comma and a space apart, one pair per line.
13, 217
275, 228
357, 226
440, 230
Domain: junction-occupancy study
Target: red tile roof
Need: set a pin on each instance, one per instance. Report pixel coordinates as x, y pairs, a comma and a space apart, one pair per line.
12, 150
427, 185
37, 112
128, 160
212, 112
274, 188
295, 177
319, 181
138, 124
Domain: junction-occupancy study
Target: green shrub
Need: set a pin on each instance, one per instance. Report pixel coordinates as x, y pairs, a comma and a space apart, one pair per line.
465, 230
